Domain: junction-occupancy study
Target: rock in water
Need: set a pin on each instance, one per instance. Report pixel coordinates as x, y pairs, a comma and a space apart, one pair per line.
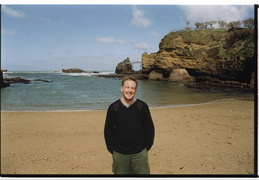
124, 67
73, 70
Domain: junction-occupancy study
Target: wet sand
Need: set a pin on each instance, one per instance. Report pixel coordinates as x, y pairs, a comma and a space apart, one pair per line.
215, 138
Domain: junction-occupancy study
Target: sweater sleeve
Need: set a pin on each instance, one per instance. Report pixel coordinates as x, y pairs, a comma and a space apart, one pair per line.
149, 129
109, 130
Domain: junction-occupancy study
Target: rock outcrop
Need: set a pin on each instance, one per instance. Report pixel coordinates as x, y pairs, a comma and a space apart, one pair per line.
2, 82
23, 81
16, 80
73, 70
124, 67
181, 75
213, 55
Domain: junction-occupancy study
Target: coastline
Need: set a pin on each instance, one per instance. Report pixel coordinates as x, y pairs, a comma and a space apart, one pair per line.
212, 138
248, 98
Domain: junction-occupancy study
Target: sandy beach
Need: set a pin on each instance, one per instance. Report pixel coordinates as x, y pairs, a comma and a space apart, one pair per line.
214, 138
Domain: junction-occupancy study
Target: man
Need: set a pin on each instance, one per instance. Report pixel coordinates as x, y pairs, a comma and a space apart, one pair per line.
129, 131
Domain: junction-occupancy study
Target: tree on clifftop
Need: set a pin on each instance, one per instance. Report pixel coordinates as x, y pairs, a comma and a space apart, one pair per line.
248, 23
211, 23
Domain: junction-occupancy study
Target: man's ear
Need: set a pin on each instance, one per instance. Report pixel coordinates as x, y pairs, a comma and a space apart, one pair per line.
121, 89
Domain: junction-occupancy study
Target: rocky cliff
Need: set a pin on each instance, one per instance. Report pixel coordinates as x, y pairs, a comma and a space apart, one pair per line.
215, 55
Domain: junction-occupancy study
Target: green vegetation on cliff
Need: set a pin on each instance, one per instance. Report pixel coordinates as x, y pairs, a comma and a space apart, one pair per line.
238, 43
209, 37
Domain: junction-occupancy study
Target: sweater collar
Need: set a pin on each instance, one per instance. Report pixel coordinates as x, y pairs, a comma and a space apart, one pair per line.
128, 105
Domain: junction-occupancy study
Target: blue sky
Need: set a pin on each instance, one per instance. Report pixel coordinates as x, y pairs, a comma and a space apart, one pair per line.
95, 37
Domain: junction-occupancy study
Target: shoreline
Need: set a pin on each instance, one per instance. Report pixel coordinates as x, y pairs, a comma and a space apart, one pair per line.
234, 85
158, 107
215, 138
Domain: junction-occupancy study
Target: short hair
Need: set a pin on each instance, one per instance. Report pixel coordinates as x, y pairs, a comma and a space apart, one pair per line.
132, 78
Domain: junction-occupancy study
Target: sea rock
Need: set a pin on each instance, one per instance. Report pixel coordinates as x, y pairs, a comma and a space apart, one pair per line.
153, 75
73, 70
42, 80
9, 81
16, 80
233, 86
124, 67
181, 75
2, 82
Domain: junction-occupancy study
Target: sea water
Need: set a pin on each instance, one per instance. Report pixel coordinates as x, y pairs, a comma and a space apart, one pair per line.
87, 91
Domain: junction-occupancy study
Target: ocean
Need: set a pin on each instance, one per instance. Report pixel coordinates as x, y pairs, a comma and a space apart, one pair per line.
86, 91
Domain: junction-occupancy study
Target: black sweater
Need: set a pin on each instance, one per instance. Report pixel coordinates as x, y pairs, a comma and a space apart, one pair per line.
129, 130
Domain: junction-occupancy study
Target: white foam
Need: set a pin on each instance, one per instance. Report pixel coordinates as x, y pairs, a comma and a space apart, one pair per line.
89, 74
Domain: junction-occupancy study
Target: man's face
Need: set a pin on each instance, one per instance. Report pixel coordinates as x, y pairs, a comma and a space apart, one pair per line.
128, 89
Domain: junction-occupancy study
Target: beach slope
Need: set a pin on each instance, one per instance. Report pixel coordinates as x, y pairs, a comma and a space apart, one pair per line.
213, 138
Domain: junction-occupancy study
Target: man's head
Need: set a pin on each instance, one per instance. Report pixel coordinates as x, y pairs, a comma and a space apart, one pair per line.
126, 78
129, 87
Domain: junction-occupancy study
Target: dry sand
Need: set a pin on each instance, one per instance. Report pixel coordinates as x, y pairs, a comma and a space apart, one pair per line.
214, 138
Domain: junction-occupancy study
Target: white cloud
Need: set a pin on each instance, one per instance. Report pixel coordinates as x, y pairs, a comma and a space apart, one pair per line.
110, 39
8, 32
139, 18
141, 46
122, 41
106, 39
202, 13
13, 13
155, 34
46, 20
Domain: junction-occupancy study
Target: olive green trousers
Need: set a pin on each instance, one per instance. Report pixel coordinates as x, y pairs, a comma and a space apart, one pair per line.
130, 164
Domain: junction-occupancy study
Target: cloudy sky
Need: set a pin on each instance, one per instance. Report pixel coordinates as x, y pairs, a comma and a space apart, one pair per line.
95, 37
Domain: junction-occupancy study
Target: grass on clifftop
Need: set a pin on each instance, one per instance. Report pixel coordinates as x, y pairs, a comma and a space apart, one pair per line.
232, 44
201, 37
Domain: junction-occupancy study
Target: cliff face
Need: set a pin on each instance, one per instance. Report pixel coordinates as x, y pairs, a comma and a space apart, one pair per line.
207, 55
